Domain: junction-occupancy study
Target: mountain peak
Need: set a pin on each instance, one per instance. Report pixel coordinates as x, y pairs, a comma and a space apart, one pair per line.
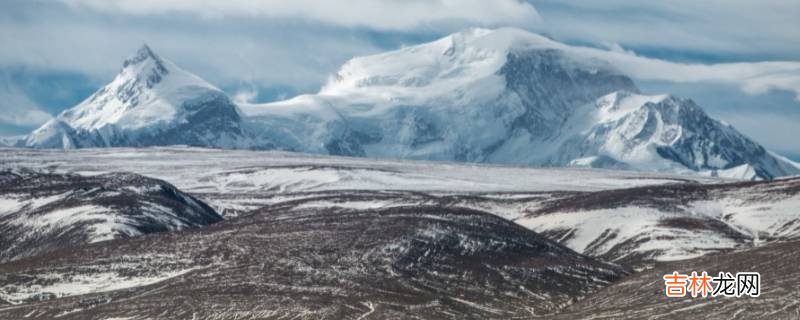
145, 66
150, 94
143, 54
454, 60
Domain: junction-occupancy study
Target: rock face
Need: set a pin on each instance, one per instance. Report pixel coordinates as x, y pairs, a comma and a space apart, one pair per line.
494, 96
44, 212
432, 262
666, 133
551, 88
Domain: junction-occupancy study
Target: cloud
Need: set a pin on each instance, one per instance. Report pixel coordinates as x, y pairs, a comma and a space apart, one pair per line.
245, 95
615, 47
299, 43
751, 77
731, 29
377, 14
223, 51
16, 109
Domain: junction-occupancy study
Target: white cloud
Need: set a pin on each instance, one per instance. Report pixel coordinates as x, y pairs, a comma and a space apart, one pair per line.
378, 14
750, 77
241, 42
221, 51
18, 110
727, 27
245, 95
238, 44
615, 47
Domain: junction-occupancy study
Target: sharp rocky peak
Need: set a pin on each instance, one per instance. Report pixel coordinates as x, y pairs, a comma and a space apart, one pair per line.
144, 53
145, 66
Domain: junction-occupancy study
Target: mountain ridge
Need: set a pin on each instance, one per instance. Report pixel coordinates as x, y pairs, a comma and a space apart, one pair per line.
502, 96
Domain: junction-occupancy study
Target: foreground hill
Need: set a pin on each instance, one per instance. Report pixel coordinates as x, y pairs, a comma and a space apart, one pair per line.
642, 295
639, 225
430, 262
46, 212
313, 237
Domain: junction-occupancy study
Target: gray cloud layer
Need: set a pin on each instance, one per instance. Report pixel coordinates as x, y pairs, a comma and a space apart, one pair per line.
739, 29
377, 14
17, 109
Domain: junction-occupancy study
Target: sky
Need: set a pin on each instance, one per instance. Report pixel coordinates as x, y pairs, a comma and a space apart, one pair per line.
740, 60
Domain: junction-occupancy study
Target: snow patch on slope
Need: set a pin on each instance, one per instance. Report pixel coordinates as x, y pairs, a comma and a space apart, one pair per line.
61, 285
596, 232
104, 224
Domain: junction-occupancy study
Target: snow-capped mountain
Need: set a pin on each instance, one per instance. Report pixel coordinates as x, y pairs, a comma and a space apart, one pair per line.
508, 96
663, 133
494, 96
478, 96
150, 102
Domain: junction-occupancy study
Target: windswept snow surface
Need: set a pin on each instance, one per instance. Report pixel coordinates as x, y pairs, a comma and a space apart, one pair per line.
59, 285
598, 232
214, 174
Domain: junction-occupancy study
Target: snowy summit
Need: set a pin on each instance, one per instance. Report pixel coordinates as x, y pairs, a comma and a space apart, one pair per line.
150, 102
